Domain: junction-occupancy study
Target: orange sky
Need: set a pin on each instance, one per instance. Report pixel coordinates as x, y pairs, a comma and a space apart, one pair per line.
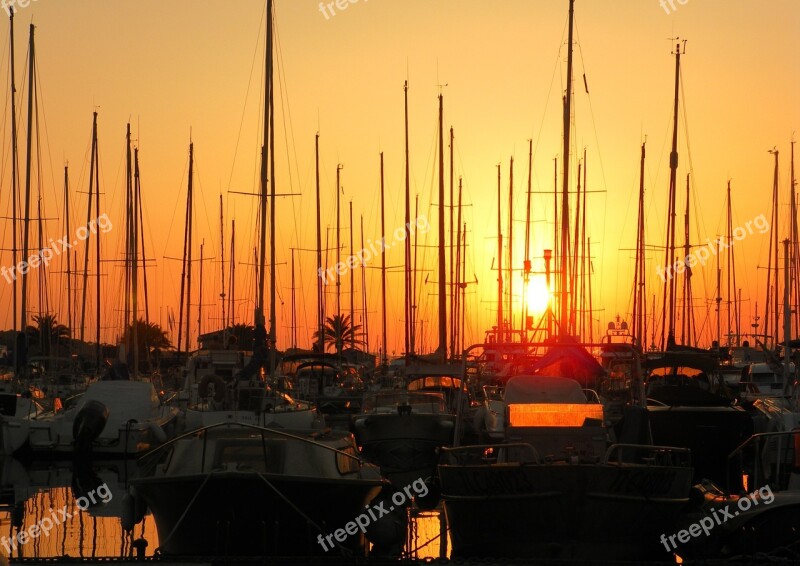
177, 66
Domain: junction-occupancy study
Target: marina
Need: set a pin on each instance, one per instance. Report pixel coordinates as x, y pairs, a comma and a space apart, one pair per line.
208, 355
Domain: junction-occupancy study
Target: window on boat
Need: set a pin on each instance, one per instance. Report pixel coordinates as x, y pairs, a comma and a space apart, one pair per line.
264, 456
347, 461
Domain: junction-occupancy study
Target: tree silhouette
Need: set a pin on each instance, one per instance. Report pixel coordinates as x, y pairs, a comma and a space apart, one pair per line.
339, 331
46, 332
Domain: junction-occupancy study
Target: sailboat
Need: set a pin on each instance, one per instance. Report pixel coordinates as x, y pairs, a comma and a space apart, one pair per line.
307, 483
560, 483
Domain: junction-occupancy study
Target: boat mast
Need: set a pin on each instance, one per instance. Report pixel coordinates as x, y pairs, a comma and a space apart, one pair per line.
26, 219
14, 173
451, 281
511, 246
339, 167
222, 271
320, 296
385, 358
186, 245
526, 264
500, 331
688, 335
272, 279
669, 303
232, 292
134, 264
364, 291
457, 287
352, 284
441, 350
128, 238
69, 272
409, 340
564, 298
188, 248
639, 288
772, 280
733, 306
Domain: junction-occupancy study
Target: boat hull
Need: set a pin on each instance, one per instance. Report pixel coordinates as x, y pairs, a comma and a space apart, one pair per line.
404, 446
242, 514
562, 511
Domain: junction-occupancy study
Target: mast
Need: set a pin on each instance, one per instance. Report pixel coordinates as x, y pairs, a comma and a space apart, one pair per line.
772, 280
293, 328
338, 245
669, 302
186, 238
69, 273
457, 288
222, 270
733, 306
26, 220
364, 291
98, 349
452, 253
409, 345
639, 289
320, 296
188, 245
564, 298
200, 294
232, 292
526, 265
501, 332
352, 284
385, 359
511, 244
128, 238
688, 311
441, 350
135, 264
14, 173
272, 279
141, 241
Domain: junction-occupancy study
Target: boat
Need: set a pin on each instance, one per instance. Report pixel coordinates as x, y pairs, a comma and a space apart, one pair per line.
113, 417
557, 485
217, 390
201, 488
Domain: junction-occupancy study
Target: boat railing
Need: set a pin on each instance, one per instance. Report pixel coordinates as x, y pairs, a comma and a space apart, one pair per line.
648, 454
487, 454
760, 443
149, 458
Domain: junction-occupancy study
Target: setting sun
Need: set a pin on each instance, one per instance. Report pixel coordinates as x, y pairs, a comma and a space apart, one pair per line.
538, 295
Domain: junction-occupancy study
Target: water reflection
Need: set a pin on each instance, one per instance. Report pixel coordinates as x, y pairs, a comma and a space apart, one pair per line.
52, 495
52, 508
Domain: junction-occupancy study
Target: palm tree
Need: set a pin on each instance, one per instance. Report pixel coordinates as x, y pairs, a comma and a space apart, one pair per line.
339, 331
150, 336
46, 332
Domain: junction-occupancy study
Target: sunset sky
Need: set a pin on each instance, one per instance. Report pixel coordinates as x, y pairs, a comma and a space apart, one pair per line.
176, 68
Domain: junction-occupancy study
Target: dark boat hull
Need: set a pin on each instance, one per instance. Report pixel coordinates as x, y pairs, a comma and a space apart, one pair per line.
240, 514
404, 446
562, 511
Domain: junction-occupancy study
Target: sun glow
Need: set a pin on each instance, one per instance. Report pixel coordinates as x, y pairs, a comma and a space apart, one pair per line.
538, 296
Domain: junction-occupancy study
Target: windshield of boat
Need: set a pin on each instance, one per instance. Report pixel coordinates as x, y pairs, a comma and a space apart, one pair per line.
391, 402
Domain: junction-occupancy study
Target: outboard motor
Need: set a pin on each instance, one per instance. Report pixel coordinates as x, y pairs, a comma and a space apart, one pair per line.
88, 424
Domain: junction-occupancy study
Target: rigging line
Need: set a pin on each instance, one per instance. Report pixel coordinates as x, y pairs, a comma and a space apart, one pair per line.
247, 93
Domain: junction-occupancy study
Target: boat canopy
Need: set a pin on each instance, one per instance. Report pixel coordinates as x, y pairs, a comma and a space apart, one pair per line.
527, 389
